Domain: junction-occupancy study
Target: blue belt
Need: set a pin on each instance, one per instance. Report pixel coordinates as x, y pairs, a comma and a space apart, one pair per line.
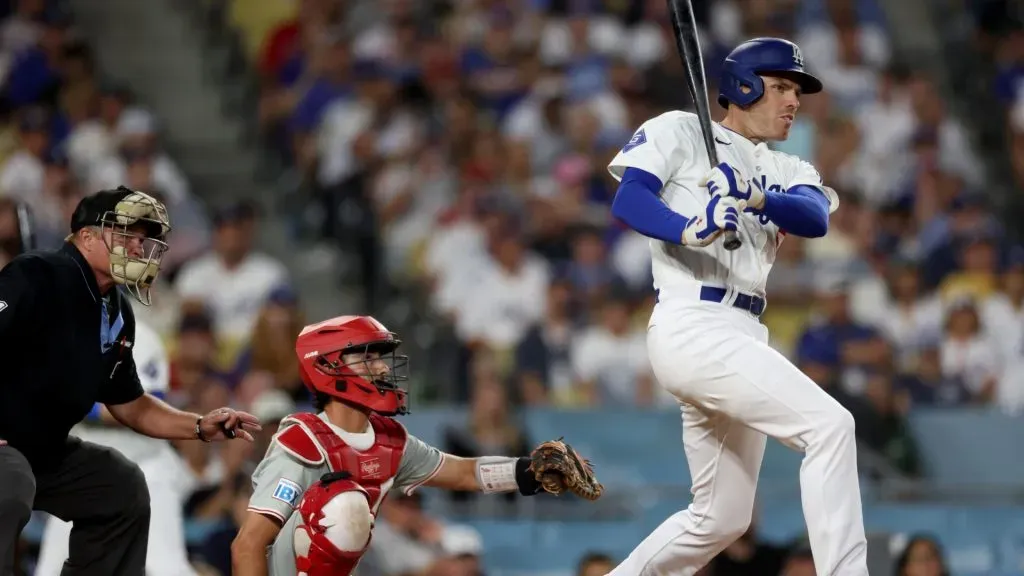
747, 302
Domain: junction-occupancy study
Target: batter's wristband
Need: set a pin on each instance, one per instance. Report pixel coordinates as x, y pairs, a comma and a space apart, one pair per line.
528, 483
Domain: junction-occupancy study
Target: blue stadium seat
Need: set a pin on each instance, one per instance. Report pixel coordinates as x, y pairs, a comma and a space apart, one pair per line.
552, 546
429, 424
949, 441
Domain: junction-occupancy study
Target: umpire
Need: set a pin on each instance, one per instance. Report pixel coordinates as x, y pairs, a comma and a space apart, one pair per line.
66, 334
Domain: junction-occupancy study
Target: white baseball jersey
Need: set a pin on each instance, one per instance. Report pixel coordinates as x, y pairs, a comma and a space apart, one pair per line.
154, 371
671, 147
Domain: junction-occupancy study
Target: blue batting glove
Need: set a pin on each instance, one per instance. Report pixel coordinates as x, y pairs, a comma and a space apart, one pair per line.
725, 180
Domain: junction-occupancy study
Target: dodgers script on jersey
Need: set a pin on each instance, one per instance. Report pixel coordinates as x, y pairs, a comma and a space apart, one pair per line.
671, 147
280, 481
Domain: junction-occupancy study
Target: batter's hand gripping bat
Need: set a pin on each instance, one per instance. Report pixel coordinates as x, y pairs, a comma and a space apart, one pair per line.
688, 46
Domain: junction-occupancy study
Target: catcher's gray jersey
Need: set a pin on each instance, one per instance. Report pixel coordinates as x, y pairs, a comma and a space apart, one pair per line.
280, 480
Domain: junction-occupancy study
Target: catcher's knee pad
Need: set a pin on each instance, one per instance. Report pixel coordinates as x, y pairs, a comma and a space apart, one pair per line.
334, 528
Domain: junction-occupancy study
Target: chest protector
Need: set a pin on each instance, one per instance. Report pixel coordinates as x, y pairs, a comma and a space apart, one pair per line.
370, 472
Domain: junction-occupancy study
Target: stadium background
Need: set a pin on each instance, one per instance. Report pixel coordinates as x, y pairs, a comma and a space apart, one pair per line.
440, 164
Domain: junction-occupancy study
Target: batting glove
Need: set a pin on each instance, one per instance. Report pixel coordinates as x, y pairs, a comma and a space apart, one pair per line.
724, 180
722, 214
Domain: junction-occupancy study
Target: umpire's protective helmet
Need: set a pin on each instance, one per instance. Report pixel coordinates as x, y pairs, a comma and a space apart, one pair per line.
770, 56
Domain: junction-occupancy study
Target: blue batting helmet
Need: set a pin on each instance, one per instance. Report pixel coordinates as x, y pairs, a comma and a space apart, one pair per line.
761, 56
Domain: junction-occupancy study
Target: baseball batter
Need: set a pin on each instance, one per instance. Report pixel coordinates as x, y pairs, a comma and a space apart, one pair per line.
318, 489
706, 343
166, 475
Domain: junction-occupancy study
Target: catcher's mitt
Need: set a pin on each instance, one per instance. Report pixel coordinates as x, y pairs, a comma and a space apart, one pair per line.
559, 468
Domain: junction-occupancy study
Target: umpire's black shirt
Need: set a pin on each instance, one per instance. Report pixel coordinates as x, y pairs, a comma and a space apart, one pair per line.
53, 367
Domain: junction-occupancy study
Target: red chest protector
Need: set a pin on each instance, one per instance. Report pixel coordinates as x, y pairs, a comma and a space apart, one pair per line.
310, 440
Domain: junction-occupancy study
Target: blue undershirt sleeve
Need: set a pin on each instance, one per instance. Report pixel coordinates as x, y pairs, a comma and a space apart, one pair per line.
638, 203
802, 211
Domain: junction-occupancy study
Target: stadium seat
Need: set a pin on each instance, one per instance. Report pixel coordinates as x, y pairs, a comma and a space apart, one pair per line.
949, 441
429, 424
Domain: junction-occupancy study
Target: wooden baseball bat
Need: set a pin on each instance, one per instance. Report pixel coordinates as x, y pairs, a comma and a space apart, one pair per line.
684, 23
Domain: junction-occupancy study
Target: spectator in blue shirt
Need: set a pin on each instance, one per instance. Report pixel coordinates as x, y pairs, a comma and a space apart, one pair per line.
855, 348
493, 70
332, 67
35, 73
927, 386
589, 270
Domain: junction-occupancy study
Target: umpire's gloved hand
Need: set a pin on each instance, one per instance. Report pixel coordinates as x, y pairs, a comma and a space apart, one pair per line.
722, 213
725, 180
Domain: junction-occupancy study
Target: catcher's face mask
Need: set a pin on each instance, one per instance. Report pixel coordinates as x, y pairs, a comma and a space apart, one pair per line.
137, 228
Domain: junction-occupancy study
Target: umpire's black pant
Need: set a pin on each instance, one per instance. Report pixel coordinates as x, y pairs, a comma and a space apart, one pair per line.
96, 488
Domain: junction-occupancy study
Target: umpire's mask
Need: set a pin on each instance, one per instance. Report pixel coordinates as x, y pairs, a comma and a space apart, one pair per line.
137, 272
138, 225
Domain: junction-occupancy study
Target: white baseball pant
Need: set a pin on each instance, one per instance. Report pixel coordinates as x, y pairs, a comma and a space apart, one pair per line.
167, 553
735, 392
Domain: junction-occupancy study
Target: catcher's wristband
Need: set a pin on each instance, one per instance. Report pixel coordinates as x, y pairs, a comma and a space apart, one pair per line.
498, 474
526, 479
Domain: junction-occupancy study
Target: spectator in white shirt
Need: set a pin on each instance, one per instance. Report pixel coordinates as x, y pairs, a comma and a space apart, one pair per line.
954, 153
140, 162
232, 281
456, 253
538, 120
354, 132
610, 360
909, 317
1003, 317
852, 78
1003, 312
20, 31
507, 298
821, 44
92, 140
886, 125
967, 353
22, 174
582, 31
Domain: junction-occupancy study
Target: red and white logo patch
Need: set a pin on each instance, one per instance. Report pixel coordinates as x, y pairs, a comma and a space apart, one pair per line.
370, 468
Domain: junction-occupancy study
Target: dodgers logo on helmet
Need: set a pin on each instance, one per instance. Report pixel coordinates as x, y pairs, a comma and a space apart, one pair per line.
740, 82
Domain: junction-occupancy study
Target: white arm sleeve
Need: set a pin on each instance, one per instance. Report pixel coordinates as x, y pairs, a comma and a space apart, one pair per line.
660, 146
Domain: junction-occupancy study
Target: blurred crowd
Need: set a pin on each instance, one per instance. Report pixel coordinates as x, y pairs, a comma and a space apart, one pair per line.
459, 149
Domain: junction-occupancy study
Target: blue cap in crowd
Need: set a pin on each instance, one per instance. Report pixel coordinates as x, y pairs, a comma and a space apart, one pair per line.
234, 212
283, 295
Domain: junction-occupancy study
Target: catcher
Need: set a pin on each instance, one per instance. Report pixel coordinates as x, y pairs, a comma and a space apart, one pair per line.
324, 476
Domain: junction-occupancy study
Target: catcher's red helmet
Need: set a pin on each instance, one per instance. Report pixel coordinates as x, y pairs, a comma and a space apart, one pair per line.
369, 381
